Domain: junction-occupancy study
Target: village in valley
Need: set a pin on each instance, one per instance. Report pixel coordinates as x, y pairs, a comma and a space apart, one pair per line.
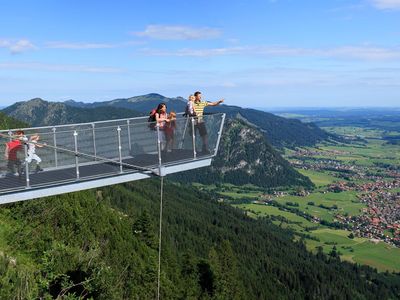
380, 219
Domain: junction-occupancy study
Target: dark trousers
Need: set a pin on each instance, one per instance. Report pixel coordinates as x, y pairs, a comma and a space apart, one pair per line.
14, 166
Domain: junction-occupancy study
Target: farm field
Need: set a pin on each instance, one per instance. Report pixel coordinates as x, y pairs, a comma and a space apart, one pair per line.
319, 178
359, 250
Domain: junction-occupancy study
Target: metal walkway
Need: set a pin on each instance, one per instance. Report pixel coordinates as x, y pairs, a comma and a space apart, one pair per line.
89, 155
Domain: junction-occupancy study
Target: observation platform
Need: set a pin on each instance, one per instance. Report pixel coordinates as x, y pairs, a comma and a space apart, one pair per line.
83, 156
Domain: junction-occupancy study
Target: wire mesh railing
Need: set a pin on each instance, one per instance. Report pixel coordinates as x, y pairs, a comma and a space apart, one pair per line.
54, 155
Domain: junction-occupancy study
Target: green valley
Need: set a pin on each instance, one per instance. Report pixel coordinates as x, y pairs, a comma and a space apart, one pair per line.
350, 177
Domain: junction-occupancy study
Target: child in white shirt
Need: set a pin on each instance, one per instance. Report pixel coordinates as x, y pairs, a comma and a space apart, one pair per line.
32, 144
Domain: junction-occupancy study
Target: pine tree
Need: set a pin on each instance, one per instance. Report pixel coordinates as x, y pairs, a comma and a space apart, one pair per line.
190, 276
143, 227
227, 284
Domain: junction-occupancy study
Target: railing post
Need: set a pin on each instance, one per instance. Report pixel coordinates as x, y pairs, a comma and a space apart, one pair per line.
28, 185
184, 133
94, 141
76, 154
10, 135
119, 148
219, 134
194, 139
55, 146
129, 136
159, 148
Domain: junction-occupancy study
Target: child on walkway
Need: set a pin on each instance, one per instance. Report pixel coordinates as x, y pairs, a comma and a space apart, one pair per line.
32, 144
170, 131
189, 111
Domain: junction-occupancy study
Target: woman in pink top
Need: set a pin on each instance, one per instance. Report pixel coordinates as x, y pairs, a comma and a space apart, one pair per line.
161, 120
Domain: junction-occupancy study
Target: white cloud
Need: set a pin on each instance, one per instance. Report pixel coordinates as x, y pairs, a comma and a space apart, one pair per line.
386, 4
17, 46
366, 53
233, 41
173, 32
88, 45
68, 45
36, 66
197, 52
345, 52
228, 84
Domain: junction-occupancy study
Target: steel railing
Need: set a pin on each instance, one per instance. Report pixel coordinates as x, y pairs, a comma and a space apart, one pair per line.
76, 152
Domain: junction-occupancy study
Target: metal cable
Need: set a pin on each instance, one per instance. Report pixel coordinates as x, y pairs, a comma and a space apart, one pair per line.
159, 239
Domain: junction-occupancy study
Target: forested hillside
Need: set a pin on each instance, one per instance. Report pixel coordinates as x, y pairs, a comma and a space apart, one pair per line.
280, 132
102, 244
7, 122
244, 157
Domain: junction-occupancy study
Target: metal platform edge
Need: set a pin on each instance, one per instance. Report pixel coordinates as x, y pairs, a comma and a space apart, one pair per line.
34, 193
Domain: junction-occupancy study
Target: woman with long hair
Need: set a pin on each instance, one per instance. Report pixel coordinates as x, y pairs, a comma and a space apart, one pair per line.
161, 120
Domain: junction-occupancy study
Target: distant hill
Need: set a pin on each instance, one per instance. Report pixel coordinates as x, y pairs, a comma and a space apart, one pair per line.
142, 104
279, 131
244, 157
381, 118
38, 112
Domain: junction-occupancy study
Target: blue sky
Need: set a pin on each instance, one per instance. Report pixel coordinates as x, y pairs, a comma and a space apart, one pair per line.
274, 53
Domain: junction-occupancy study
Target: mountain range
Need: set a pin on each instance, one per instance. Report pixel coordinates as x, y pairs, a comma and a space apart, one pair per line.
144, 103
279, 131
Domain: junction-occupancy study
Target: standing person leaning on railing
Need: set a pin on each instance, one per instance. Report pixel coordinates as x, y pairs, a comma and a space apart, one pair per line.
200, 126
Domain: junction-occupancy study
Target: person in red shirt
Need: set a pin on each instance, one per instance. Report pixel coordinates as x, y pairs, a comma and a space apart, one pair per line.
12, 153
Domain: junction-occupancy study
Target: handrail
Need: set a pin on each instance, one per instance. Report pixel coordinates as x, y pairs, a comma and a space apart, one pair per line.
97, 122
81, 124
